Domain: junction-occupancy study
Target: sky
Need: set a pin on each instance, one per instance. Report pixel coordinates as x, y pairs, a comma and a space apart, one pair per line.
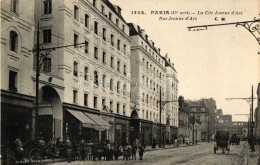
220, 62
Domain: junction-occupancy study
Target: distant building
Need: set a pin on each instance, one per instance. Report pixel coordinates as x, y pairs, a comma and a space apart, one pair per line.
224, 122
183, 129
219, 112
201, 115
239, 128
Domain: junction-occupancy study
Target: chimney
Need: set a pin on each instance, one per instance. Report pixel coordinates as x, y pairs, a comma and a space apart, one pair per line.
152, 43
159, 51
166, 55
146, 37
139, 29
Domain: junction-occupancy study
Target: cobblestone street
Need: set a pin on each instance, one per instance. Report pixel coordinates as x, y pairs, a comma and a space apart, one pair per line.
192, 155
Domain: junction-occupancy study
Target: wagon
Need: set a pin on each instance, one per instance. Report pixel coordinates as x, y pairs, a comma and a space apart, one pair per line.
222, 138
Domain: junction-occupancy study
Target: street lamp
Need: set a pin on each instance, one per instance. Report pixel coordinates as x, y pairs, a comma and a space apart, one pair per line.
39, 61
162, 103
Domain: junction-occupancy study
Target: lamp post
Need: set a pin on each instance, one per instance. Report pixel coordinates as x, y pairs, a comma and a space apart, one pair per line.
39, 61
162, 103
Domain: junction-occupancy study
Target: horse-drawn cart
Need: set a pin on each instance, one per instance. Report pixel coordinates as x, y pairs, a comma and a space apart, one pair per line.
222, 138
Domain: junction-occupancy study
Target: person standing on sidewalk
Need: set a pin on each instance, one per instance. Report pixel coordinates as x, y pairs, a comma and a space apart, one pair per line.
141, 152
69, 149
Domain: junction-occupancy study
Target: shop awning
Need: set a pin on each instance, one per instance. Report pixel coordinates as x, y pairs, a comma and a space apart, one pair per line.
102, 124
85, 120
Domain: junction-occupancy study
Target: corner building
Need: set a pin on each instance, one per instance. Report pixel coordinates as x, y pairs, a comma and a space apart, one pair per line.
84, 86
17, 94
148, 76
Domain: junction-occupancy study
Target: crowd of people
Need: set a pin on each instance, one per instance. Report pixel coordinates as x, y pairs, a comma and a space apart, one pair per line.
82, 150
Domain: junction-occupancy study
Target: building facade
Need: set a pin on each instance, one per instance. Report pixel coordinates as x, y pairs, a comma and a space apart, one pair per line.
148, 77
199, 112
171, 105
91, 76
257, 115
184, 123
17, 94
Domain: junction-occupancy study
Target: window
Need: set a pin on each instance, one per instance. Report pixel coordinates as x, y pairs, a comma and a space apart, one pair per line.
76, 12
46, 66
47, 6
123, 28
118, 66
112, 39
95, 77
117, 108
117, 22
96, 27
118, 44
96, 52
124, 89
95, 101
104, 81
112, 62
13, 41
86, 73
75, 96
86, 46
104, 34
104, 57
76, 40
124, 69
118, 87
94, 2
14, 7
86, 20
75, 68
13, 81
102, 9
143, 97
124, 48
123, 109
103, 102
147, 98
47, 36
111, 106
111, 84
86, 99
110, 16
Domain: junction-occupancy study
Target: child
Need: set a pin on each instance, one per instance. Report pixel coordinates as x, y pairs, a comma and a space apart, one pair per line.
141, 152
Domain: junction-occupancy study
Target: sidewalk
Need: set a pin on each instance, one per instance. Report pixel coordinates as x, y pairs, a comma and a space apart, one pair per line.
147, 149
251, 157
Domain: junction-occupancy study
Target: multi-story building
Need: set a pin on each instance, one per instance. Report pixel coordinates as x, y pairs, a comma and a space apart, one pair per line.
148, 75
211, 106
171, 103
17, 40
224, 122
91, 79
199, 110
184, 124
239, 128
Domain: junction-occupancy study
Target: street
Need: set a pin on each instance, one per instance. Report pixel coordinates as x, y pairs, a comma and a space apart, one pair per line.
191, 155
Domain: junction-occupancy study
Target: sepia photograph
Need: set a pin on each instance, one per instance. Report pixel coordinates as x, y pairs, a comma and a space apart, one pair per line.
107, 82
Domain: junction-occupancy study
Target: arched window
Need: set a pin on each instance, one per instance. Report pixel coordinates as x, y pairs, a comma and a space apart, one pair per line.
111, 84
95, 77
118, 86
76, 12
86, 73
104, 81
75, 68
13, 41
